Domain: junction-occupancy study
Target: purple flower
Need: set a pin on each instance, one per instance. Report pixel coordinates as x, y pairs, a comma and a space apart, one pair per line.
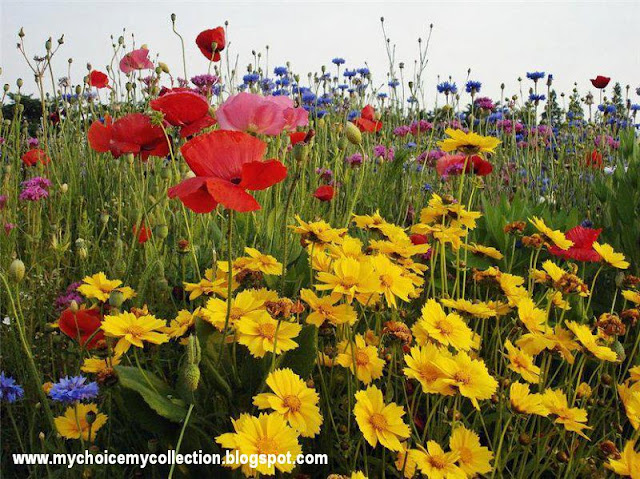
325, 173
3, 201
484, 103
8, 227
35, 189
33, 143
72, 389
354, 160
9, 390
64, 300
402, 131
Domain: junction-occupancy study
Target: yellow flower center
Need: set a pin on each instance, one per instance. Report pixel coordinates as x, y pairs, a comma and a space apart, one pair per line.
362, 359
428, 373
386, 280
348, 282
466, 456
134, 330
437, 462
462, 377
235, 313
267, 445
444, 327
378, 422
267, 330
292, 402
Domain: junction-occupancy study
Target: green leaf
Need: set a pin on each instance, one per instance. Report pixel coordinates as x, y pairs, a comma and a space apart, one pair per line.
302, 359
156, 393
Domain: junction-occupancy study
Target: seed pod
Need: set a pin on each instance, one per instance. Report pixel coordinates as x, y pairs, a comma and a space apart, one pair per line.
191, 376
116, 298
16, 270
353, 134
161, 231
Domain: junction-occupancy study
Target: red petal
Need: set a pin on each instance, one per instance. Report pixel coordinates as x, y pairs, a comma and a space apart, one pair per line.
181, 107
222, 153
259, 175
197, 126
231, 196
100, 136
194, 194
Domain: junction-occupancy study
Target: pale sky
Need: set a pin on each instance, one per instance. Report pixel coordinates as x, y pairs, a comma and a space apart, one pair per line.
499, 41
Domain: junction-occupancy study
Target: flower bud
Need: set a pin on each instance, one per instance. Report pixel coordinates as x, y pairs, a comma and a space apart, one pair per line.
73, 306
161, 231
19, 82
17, 270
164, 67
116, 298
191, 376
353, 134
64, 187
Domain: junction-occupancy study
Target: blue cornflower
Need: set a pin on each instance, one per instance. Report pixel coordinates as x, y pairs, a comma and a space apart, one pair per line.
587, 224
343, 87
535, 76
447, 88
250, 78
607, 108
411, 144
364, 71
350, 73
9, 390
393, 83
473, 86
72, 389
535, 97
338, 61
280, 71
382, 95
308, 97
353, 115
635, 107
427, 188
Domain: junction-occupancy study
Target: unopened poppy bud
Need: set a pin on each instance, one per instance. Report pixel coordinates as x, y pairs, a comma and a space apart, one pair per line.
91, 417
6, 87
73, 306
116, 298
78, 89
47, 45
191, 376
353, 134
19, 82
300, 152
161, 231
21, 32
158, 70
16, 270
173, 18
164, 66
104, 218
64, 187
129, 158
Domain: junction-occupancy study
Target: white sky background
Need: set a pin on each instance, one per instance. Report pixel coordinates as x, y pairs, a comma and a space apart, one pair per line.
498, 41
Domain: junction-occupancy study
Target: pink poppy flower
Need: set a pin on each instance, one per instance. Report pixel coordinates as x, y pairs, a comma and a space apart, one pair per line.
258, 114
136, 60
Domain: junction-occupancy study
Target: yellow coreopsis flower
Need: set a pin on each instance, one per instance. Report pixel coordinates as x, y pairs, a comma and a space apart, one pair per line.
534, 319
349, 248
292, 399
210, 285
479, 310
421, 365
392, 281
246, 304
473, 458
628, 464
512, 288
470, 377
630, 397
318, 232
74, 425
446, 329
361, 359
264, 263
434, 463
572, 418
349, 278
633, 296
468, 143
133, 330
522, 363
484, 250
100, 287
265, 434
609, 256
398, 249
589, 341
326, 309
184, 322
523, 402
95, 365
261, 333
634, 373
551, 236
380, 422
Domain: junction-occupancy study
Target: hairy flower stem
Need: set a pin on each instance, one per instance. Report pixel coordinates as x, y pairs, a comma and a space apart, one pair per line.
285, 242
225, 331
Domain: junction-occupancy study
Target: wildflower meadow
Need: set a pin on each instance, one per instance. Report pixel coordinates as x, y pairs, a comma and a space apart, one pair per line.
255, 261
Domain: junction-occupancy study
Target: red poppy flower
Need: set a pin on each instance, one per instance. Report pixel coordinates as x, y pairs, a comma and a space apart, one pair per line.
594, 159
205, 40
417, 239
297, 137
81, 325
324, 193
133, 133
226, 164
186, 109
35, 155
367, 121
449, 165
143, 235
582, 249
600, 81
98, 79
